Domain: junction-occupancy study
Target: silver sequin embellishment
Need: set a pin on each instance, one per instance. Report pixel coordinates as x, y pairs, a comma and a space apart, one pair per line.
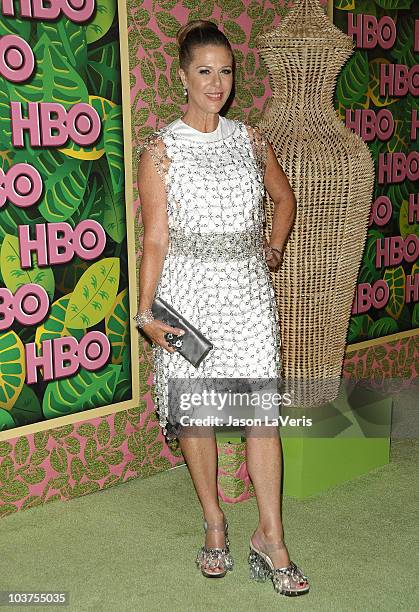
213, 246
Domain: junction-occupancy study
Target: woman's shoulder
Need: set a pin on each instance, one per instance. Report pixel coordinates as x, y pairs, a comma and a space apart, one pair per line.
232, 122
153, 141
258, 137
254, 130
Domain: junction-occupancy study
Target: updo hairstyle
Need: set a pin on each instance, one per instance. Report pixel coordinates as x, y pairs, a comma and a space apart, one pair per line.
199, 32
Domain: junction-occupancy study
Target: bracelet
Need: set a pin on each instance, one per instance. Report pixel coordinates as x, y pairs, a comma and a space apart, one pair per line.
276, 249
269, 248
141, 318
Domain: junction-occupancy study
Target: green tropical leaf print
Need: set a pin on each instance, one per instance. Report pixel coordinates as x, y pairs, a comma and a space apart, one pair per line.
12, 216
394, 5
374, 84
234, 32
142, 17
163, 87
105, 13
5, 125
90, 208
369, 273
159, 60
352, 85
148, 72
406, 228
123, 388
27, 408
12, 25
12, 369
402, 51
233, 8
83, 391
103, 72
6, 420
358, 327
171, 49
15, 276
396, 281
250, 63
67, 276
112, 205
345, 5
117, 326
149, 39
383, 327
55, 79
54, 327
94, 294
167, 23
69, 39
65, 181
113, 139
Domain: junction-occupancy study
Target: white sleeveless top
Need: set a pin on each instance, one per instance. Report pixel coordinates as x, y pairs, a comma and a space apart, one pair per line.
225, 128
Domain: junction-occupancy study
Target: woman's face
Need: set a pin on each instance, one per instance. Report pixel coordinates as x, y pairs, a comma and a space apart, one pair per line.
209, 78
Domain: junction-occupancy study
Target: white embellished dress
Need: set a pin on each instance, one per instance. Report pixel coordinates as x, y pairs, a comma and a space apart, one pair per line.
215, 273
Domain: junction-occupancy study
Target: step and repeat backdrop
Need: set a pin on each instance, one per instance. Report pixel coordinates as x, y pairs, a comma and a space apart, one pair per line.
67, 271
377, 97
65, 285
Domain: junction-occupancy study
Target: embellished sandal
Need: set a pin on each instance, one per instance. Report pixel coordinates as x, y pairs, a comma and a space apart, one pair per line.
215, 557
288, 580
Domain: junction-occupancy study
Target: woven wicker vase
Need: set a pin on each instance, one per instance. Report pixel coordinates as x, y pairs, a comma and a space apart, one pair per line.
331, 172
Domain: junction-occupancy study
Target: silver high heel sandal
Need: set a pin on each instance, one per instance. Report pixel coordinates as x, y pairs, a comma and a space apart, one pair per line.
284, 579
215, 557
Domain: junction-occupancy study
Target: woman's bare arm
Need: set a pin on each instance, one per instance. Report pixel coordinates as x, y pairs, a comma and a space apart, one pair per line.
285, 203
154, 215
153, 199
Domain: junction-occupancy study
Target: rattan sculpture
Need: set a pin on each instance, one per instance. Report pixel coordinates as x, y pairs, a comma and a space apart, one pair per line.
331, 172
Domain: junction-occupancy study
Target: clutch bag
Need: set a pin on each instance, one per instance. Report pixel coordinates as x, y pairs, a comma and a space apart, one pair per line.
193, 345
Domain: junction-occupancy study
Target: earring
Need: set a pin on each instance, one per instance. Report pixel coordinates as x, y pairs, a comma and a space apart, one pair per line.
185, 91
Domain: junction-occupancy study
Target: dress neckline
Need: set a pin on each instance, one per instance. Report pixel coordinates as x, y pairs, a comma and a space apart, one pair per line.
224, 129
199, 131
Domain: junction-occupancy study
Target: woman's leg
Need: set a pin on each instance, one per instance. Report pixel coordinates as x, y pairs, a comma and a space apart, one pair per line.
264, 465
199, 449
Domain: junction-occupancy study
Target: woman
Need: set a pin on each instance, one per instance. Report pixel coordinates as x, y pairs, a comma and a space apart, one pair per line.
201, 183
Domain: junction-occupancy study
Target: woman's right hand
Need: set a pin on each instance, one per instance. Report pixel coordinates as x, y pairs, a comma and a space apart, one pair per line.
156, 331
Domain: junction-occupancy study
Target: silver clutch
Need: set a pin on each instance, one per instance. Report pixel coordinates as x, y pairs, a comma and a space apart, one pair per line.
193, 345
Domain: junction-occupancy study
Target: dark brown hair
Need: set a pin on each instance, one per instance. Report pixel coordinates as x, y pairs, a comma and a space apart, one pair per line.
199, 32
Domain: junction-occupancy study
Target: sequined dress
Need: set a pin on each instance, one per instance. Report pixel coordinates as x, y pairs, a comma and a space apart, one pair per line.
215, 273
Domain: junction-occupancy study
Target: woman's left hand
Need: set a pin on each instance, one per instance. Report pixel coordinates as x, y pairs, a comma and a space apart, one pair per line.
273, 258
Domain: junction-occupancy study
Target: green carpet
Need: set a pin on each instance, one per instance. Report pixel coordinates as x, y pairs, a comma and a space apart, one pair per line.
132, 547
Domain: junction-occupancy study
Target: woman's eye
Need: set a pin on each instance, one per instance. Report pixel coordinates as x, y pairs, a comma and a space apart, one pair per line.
205, 70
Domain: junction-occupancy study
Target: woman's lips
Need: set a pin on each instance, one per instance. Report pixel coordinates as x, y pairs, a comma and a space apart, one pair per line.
214, 96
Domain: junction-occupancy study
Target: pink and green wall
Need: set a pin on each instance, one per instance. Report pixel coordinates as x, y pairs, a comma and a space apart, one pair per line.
81, 458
